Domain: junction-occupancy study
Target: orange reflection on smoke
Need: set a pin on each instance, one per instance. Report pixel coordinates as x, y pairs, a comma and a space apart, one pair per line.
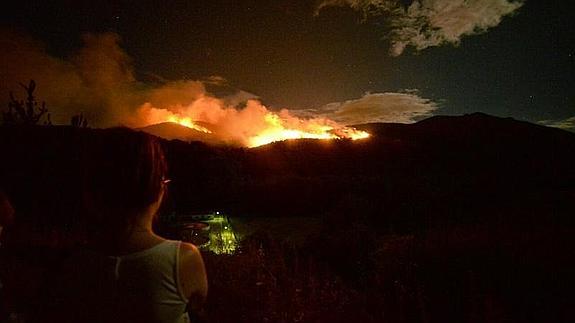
252, 126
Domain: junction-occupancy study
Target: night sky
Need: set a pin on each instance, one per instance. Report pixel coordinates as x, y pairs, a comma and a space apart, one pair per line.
305, 54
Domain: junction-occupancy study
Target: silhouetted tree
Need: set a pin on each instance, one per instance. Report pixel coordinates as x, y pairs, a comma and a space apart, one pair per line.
26, 112
79, 121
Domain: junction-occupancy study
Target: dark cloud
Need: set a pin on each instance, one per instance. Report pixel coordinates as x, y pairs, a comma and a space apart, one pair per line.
428, 23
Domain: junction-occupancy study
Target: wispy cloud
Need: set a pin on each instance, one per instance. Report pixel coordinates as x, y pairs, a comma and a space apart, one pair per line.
405, 107
565, 124
428, 23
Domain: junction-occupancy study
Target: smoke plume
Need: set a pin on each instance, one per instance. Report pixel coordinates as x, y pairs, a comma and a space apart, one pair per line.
98, 81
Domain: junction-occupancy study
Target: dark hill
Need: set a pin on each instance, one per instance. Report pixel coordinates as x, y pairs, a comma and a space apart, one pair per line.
476, 126
461, 168
456, 218
470, 168
171, 131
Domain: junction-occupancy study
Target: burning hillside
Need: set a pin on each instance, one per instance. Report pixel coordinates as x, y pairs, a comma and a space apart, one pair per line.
99, 82
209, 120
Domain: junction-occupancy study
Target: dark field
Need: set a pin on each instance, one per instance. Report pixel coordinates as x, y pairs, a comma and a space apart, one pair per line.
452, 219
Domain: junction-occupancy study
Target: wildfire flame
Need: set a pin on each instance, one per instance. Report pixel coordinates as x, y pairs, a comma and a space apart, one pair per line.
278, 132
251, 126
187, 122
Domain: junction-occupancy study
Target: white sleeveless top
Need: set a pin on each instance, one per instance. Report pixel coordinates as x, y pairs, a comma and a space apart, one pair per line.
148, 282
140, 287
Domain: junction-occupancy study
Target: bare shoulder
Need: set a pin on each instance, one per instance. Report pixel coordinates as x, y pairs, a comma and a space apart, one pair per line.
190, 258
189, 250
192, 274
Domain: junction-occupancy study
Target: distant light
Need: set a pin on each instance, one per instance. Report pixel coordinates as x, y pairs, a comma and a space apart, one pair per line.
217, 212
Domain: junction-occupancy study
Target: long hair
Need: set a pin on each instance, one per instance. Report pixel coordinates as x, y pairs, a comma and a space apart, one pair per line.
124, 176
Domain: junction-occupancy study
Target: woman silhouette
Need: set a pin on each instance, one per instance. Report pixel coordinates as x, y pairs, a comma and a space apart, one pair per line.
129, 273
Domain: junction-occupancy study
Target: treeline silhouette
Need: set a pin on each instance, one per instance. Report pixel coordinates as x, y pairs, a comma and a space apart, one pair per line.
441, 171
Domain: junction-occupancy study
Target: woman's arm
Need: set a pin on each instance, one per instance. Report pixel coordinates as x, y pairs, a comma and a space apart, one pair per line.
192, 275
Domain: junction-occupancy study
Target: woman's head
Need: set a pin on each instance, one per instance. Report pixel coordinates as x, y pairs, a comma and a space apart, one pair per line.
125, 175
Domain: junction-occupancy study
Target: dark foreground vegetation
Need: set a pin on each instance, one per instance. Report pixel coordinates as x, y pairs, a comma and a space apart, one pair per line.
452, 219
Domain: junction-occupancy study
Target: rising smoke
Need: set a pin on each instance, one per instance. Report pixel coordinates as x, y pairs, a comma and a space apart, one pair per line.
98, 81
